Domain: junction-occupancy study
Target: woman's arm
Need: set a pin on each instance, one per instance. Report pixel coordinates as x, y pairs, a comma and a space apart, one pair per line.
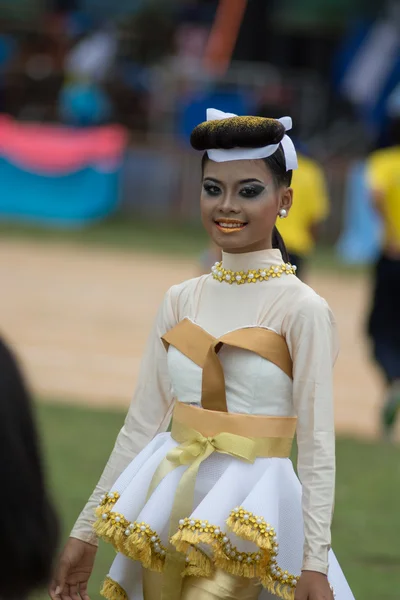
149, 414
312, 340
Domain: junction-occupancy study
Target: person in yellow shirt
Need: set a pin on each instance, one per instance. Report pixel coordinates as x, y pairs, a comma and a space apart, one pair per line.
310, 207
299, 230
383, 175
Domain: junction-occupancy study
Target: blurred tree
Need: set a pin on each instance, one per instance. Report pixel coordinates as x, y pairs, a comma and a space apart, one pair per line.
22, 10
64, 5
265, 37
148, 35
251, 44
326, 13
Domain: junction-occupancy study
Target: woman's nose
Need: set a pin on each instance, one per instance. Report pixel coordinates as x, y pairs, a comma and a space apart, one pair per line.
228, 204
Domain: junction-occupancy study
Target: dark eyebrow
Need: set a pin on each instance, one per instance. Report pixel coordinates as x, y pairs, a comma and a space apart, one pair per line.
251, 180
212, 179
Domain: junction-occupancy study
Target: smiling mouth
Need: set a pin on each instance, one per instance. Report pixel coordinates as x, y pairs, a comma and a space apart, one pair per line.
230, 226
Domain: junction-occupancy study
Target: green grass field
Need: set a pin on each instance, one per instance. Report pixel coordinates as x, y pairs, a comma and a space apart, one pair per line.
137, 235
366, 526
118, 233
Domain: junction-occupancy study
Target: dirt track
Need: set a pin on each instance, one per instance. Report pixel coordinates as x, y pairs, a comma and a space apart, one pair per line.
79, 318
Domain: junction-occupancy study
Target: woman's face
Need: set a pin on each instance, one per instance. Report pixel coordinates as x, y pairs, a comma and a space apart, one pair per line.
240, 203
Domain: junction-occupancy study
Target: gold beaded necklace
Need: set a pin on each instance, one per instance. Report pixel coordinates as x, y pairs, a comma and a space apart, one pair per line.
252, 276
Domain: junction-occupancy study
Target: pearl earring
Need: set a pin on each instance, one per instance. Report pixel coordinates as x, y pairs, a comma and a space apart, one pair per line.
283, 213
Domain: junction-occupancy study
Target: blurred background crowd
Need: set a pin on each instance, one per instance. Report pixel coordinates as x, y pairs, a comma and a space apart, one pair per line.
153, 67
99, 210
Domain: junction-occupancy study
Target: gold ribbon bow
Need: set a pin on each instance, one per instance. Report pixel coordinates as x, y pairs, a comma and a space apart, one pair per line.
225, 443
194, 448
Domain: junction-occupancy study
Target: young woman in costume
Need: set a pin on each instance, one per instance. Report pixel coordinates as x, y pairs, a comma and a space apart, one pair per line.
242, 359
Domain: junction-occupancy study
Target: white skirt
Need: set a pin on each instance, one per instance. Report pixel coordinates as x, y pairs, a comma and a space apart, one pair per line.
247, 520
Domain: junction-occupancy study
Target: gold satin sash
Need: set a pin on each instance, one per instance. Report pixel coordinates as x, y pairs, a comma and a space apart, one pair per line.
193, 449
210, 422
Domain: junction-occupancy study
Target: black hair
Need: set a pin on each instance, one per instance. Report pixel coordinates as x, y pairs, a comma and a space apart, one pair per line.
28, 524
237, 132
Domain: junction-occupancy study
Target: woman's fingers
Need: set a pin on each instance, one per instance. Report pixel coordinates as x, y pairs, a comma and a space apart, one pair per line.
58, 584
65, 595
74, 593
84, 591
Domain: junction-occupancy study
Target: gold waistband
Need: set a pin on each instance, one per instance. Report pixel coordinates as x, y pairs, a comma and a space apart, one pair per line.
210, 423
200, 433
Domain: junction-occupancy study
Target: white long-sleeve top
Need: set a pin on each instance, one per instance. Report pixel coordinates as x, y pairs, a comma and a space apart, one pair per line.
253, 385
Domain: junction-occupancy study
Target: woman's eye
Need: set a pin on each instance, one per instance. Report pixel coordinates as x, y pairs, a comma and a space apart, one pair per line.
211, 190
251, 191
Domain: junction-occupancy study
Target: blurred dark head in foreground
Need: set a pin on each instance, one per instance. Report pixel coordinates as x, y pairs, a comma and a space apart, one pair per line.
28, 524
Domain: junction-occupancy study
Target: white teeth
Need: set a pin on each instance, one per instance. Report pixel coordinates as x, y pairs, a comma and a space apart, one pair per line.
230, 225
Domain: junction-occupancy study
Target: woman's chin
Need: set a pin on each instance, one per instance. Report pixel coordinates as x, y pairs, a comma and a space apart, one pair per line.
228, 245
230, 240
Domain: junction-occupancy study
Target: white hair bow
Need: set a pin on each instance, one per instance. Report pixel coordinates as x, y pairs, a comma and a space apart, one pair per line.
253, 153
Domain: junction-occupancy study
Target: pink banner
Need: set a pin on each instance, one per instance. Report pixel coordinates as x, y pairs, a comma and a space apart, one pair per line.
56, 149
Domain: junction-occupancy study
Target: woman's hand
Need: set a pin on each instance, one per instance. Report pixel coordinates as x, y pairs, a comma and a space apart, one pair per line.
73, 571
313, 586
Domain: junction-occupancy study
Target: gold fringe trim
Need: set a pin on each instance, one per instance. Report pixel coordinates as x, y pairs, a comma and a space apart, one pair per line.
261, 534
278, 589
138, 546
138, 542
107, 503
111, 531
198, 564
255, 529
261, 565
134, 540
229, 559
193, 570
112, 590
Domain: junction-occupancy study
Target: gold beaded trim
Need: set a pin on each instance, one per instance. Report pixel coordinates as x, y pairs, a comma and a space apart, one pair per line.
139, 542
254, 529
107, 502
262, 564
252, 276
135, 540
195, 530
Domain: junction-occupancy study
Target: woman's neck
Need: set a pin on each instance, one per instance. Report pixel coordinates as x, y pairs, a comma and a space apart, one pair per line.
246, 261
